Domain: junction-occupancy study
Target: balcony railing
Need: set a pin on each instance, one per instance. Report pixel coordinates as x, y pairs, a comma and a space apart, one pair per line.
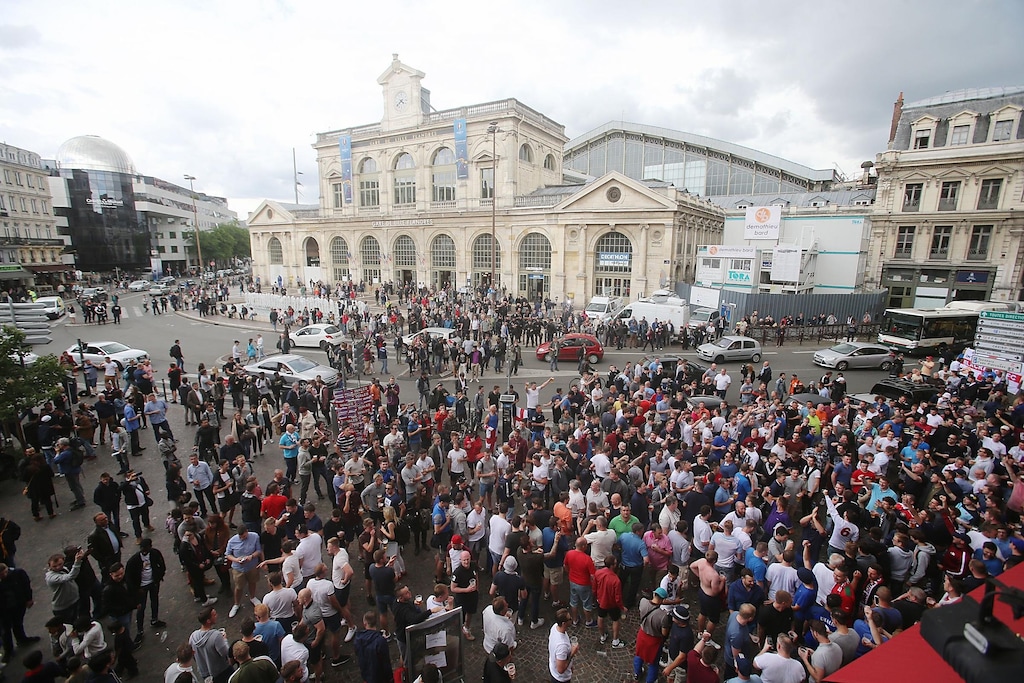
977, 255
903, 253
988, 203
938, 254
369, 210
446, 204
947, 205
912, 206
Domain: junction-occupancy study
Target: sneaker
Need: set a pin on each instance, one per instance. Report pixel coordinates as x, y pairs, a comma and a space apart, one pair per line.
592, 624
255, 602
618, 644
537, 624
340, 661
604, 638
350, 635
233, 612
467, 634
158, 623
519, 621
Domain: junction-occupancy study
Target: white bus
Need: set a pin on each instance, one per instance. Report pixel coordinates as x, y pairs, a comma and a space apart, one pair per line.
939, 331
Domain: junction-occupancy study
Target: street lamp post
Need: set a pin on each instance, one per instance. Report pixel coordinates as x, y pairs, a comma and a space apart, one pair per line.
493, 130
195, 222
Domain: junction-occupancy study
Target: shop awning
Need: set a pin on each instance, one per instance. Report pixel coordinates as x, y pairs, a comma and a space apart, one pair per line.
13, 273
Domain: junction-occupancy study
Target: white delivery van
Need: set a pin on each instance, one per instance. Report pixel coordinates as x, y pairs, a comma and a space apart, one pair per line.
603, 308
668, 309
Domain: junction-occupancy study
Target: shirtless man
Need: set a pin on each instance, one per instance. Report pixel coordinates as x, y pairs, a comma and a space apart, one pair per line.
711, 591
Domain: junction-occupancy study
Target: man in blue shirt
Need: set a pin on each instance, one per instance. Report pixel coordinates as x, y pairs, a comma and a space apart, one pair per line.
289, 444
201, 477
745, 590
132, 423
634, 560
244, 553
737, 636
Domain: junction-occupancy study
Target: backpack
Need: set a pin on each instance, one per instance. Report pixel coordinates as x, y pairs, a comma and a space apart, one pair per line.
77, 452
403, 534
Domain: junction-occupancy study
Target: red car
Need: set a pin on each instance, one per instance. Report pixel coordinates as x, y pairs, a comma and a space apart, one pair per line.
569, 346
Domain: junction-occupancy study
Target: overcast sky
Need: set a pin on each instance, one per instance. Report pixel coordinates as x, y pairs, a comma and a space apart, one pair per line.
225, 90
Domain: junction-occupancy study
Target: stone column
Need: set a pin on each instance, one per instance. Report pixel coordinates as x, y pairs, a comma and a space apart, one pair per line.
583, 265
640, 270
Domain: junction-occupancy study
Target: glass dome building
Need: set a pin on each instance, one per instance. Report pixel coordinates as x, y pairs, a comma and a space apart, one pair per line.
106, 229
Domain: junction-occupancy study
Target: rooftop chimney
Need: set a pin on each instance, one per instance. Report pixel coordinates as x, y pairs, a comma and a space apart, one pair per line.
897, 111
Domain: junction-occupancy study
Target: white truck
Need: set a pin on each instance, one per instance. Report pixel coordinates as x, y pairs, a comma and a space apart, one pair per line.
603, 308
662, 308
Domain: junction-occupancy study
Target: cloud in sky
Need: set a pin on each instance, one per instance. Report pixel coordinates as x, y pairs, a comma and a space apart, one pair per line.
224, 90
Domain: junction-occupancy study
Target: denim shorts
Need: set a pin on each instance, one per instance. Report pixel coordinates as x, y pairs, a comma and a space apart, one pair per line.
579, 593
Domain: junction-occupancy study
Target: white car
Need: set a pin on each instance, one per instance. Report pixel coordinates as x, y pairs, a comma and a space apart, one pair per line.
293, 368
97, 352
139, 286
53, 305
158, 289
445, 333
317, 336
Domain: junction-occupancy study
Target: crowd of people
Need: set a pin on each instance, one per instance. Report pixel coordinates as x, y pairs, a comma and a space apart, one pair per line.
757, 537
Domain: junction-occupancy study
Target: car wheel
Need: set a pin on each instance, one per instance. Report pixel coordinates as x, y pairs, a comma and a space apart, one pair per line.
842, 365
547, 356
755, 358
323, 346
886, 365
719, 358
592, 358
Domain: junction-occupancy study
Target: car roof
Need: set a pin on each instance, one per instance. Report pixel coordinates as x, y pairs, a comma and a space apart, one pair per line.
816, 399
859, 345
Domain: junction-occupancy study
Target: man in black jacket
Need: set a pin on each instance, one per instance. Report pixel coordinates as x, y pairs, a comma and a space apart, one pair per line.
143, 573
118, 600
15, 598
407, 613
104, 542
107, 497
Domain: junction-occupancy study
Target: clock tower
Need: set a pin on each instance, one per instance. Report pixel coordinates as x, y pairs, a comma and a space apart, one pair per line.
406, 101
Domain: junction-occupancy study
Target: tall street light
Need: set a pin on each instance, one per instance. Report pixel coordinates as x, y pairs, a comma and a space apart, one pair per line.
493, 130
195, 222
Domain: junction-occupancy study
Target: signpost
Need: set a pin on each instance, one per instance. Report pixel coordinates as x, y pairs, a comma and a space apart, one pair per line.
999, 341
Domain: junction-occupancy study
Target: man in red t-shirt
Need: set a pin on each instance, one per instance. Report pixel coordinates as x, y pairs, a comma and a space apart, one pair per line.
273, 504
581, 570
862, 477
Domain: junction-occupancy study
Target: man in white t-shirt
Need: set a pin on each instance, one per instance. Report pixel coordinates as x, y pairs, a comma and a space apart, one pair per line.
601, 540
533, 396
496, 538
341, 575
308, 551
457, 460
780, 666
561, 650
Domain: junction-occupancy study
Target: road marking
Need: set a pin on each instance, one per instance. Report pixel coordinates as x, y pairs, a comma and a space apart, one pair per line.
796, 352
137, 311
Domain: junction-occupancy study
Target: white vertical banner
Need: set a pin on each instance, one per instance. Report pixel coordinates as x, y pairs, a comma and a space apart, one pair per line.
762, 223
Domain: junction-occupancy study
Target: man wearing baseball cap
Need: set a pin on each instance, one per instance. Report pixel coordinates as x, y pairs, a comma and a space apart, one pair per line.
655, 624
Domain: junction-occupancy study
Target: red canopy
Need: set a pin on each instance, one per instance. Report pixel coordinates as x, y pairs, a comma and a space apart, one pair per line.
910, 659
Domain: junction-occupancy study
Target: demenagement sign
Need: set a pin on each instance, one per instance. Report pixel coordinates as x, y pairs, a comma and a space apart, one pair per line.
762, 223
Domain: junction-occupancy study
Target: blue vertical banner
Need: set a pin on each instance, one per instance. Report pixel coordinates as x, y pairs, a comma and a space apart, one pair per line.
461, 150
345, 146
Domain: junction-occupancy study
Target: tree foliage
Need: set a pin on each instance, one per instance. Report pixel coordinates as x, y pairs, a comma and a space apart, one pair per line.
21, 385
224, 243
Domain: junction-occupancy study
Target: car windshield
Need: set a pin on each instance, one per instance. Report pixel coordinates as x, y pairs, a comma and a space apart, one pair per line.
113, 347
843, 349
301, 365
723, 343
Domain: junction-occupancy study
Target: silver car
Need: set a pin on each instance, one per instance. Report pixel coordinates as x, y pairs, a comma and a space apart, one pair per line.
731, 347
854, 355
293, 368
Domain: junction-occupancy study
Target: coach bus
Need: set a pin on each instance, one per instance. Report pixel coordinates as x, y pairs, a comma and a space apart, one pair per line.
940, 331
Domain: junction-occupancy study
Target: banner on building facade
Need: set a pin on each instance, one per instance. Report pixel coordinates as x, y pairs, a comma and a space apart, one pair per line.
724, 251
345, 147
461, 150
612, 259
786, 263
762, 223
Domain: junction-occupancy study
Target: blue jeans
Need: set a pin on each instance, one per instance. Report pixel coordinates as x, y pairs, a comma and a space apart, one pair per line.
532, 600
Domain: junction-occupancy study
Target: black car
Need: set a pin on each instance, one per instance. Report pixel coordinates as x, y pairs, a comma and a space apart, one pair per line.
895, 389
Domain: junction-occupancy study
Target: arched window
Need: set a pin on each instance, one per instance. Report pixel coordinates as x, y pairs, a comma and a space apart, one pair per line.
369, 183
535, 265
369, 254
443, 179
274, 252
613, 265
339, 258
482, 251
405, 180
549, 163
525, 153
442, 252
404, 252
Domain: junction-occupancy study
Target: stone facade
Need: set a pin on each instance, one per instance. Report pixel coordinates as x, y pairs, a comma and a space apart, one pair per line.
401, 211
26, 215
947, 223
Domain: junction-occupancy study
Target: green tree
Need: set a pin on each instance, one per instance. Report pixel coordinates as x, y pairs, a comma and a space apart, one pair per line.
21, 385
224, 243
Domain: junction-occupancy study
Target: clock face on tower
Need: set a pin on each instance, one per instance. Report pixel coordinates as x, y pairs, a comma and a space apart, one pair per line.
401, 100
